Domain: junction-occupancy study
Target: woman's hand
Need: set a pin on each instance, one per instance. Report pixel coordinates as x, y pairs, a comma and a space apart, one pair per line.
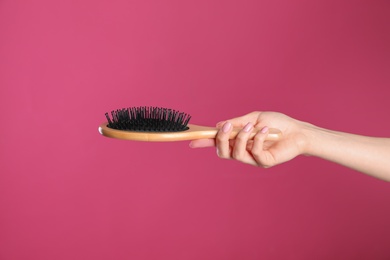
258, 151
370, 155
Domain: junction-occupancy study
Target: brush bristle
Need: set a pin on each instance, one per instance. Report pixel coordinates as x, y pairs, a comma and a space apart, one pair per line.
148, 119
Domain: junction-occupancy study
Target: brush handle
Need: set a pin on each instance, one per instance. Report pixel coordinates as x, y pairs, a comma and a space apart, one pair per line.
194, 132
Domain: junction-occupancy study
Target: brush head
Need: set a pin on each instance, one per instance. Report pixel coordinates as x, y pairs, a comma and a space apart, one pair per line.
148, 119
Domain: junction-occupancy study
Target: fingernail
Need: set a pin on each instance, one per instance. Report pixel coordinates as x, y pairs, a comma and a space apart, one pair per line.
226, 127
248, 127
264, 130
220, 123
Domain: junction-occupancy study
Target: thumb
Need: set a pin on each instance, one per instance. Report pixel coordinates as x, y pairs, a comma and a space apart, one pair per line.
263, 157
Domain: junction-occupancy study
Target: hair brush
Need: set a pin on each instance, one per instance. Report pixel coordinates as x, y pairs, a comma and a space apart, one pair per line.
156, 124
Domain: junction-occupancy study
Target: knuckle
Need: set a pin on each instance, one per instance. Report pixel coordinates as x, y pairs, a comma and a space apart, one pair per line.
236, 155
221, 137
261, 162
256, 153
240, 138
222, 155
254, 113
265, 166
258, 137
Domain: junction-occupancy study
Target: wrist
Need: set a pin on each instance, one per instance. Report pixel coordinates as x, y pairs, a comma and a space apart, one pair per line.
310, 138
317, 140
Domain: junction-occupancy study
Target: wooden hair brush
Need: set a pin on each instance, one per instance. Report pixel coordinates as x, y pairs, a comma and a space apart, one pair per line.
156, 124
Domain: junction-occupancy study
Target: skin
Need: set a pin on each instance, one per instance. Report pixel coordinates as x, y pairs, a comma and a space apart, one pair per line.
369, 155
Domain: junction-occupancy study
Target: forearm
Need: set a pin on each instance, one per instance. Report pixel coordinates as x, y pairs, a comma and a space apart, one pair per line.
368, 155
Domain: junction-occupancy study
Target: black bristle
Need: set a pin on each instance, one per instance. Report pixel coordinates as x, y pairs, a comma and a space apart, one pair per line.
148, 119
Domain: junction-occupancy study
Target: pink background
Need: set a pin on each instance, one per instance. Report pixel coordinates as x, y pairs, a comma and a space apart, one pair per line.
68, 193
